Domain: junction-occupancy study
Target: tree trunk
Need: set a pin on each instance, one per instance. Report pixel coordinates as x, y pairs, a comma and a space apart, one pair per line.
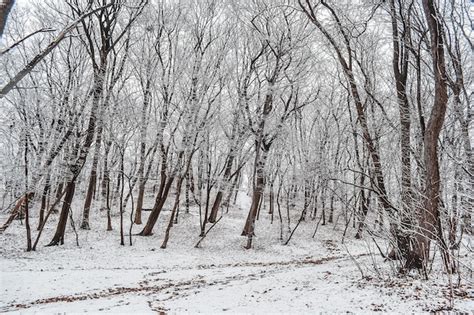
162, 194
91, 187
218, 200
346, 64
105, 178
141, 166
155, 212
400, 70
122, 173
429, 218
83, 152
141, 195
261, 149
44, 196
27, 210
58, 238
249, 228
173, 213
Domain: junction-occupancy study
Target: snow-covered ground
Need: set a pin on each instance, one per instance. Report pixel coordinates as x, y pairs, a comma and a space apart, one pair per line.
309, 275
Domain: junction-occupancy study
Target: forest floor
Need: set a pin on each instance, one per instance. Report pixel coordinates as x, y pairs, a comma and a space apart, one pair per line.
320, 274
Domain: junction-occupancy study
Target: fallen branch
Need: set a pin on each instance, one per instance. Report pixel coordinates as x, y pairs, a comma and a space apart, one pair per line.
16, 212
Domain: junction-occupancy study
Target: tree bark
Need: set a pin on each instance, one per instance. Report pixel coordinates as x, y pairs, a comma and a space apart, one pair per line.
44, 197
83, 152
218, 200
58, 238
160, 200
141, 166
5, 7
400, 70
429, 218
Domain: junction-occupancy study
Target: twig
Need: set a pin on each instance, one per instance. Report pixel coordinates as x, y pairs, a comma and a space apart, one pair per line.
73, 225
205, 234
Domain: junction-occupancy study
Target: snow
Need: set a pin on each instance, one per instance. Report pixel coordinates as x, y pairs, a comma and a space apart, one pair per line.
308, 275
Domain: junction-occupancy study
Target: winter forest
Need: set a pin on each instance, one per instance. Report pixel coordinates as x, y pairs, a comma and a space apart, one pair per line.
236, 156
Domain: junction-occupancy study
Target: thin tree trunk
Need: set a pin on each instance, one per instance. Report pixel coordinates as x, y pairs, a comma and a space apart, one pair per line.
44, 196
107, 205
92, 184
173, 213
27, 210
59, 191
141, 166
122, 238
105, 178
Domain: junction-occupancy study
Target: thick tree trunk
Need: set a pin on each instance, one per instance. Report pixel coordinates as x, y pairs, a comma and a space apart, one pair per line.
429, 218
5, 7
83, 152
218, 200
159, 201
93, 175
261, 153
346, 64
140, 197
90, 189
259, 186
400, 70
58, 238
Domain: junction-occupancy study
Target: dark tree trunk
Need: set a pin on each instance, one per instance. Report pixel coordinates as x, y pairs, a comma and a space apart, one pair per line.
83, 152
5, 8
90, 190
346, 64
122, 172
58, 238
173, 213
259, 186
105, 184
155, 212
44, 197
27, 210
429, 218
218, 200
400, 70
262, 149
59, 191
